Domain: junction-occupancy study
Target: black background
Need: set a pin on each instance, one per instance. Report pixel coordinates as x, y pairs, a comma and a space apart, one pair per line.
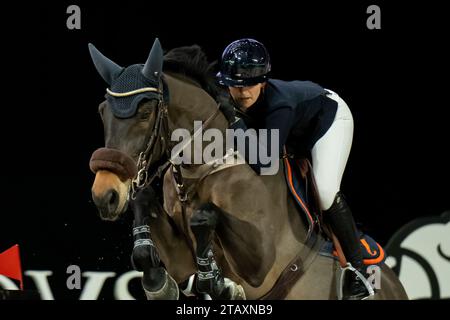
393, 79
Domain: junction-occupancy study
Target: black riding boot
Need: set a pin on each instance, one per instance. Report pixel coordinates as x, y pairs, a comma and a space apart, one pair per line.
339, 217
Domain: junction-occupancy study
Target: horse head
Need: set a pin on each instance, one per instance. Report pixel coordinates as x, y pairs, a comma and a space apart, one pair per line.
141, 134
132, 116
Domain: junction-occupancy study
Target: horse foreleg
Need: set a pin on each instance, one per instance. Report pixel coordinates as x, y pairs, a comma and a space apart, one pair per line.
157, 283
209, 277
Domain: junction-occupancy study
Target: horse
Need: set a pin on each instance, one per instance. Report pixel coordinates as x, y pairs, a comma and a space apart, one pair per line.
237, 234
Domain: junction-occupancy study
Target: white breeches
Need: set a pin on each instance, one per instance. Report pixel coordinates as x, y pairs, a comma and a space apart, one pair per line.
330, 153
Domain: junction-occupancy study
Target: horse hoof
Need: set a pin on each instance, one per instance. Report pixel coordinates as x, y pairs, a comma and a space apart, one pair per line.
169, 290
236, 290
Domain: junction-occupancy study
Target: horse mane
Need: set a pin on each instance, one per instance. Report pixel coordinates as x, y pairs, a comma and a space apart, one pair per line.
191, 63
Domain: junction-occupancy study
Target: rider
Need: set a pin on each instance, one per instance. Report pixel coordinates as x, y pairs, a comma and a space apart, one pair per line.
311, 120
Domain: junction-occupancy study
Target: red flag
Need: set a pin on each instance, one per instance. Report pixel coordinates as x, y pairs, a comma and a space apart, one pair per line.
10, 264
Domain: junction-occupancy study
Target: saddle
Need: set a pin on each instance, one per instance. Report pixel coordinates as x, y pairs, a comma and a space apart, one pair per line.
302, 188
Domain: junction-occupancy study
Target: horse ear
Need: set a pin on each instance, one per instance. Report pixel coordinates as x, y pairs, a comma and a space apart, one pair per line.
107, 68
154, 63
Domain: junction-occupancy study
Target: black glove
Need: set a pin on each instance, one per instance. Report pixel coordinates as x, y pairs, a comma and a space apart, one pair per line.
238, 123
227, 107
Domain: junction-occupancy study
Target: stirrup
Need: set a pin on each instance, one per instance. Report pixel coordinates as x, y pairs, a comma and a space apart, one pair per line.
340, 277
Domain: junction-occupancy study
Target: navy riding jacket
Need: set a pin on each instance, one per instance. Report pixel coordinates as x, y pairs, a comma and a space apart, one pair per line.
300, 110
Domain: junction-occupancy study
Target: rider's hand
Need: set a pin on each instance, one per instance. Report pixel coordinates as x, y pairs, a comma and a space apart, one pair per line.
238, 123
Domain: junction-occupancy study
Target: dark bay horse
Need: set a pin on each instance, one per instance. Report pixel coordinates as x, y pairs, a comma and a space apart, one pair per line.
240, 233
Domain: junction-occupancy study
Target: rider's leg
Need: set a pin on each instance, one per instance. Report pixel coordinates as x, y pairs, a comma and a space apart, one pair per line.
329, 158
339, 217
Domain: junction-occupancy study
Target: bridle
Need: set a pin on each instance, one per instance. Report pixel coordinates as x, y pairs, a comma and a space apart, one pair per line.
158, 132
146, 171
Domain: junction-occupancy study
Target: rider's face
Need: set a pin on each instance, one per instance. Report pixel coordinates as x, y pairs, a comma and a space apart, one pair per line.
245, 97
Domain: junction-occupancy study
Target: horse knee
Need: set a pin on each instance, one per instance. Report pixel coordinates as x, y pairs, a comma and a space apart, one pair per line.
203, 223
205, 216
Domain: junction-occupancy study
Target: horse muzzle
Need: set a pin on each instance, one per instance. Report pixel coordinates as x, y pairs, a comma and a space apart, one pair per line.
113, 173
107, 204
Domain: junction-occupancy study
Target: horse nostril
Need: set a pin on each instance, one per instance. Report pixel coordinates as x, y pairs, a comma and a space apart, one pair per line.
107, 205
112, 199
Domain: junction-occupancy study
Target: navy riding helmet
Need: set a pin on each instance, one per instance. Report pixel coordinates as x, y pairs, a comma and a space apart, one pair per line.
245, 62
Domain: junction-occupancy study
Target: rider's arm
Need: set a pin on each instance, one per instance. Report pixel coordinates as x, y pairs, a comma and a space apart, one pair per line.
281, 119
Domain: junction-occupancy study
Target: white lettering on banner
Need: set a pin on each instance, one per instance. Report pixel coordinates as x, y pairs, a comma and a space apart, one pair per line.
91, 289
94, 284
40, 278
7, 284
121, 287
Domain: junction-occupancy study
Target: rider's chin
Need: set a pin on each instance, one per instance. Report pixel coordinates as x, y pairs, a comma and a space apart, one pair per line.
245, 102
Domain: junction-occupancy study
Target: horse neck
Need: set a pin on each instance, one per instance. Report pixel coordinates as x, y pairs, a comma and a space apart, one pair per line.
189, 103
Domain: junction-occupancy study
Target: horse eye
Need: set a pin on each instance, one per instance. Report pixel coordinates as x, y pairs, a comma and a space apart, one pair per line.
144, 115
145, 111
